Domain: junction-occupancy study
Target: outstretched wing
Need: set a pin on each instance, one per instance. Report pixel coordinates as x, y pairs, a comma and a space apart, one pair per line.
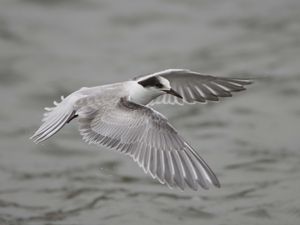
55, 118
194, 87
148, 138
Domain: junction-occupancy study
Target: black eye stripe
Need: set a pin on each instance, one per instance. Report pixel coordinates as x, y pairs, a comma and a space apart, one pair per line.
151, 82
159, 85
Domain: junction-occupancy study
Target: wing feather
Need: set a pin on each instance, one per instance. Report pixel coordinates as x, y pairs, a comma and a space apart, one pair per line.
195, 87
148, 138
55, 118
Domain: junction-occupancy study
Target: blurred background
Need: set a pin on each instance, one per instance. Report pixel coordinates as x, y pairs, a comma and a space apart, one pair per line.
50, 48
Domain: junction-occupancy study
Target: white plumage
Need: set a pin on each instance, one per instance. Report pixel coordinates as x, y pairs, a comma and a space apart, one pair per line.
117, 116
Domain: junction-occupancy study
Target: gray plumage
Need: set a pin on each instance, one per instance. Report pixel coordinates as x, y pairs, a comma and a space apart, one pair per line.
194, 87
116, 116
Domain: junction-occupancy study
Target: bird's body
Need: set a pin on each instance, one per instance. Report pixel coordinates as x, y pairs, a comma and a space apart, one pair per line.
117, 116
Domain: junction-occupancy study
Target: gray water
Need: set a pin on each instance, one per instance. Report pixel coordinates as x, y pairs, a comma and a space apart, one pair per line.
50, 48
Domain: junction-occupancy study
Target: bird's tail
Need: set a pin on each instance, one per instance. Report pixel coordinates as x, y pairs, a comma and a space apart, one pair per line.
55, 118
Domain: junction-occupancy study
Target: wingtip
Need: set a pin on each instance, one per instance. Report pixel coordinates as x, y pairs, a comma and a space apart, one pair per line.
213, 179
36, 138
248, 82
217, 184
33, 139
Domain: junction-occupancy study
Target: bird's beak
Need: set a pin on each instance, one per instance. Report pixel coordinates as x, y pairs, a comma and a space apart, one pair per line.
172, 92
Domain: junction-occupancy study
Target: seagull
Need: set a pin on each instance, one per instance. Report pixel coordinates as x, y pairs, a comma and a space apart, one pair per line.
119, 117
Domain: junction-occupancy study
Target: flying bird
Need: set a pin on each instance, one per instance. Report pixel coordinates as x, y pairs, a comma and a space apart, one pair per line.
119, 116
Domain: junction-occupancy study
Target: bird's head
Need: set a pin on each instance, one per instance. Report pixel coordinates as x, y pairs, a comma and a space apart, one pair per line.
158, 84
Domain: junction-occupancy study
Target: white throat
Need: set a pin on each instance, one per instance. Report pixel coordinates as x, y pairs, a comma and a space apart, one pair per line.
141, 95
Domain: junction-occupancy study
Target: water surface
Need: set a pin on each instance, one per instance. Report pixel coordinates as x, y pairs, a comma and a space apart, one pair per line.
51, 48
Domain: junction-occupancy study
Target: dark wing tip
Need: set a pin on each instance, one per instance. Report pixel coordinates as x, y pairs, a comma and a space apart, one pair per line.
217, 183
